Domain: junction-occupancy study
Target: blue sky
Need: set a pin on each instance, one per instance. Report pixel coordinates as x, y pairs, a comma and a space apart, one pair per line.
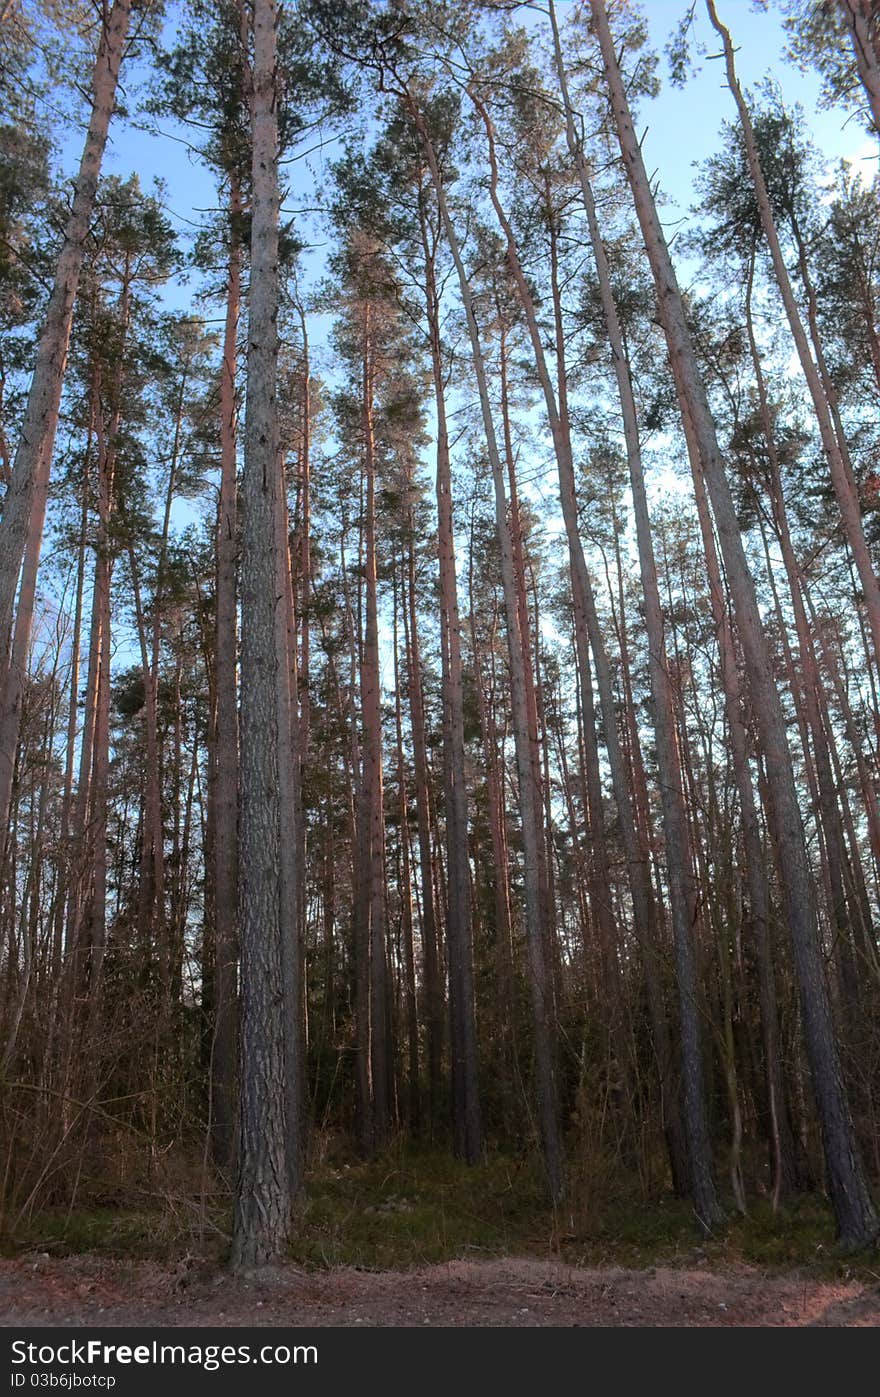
682, 124
682, 130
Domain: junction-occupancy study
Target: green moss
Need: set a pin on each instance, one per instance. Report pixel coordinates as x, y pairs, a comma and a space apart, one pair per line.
107, 1231
412, 1206
408, 1208
801, 1233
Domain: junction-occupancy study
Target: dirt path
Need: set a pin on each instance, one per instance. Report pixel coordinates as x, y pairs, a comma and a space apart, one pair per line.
35, 1290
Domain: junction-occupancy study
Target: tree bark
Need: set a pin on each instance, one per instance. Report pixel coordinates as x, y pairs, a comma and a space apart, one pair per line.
856, 1218
860, 17
263, 1195
842, 477
404, 876
466, 1115
781, 1141
371, 874
530, 810
224, 845
33, 458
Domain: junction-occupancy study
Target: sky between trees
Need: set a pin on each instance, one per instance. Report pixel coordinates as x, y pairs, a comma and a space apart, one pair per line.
446, 702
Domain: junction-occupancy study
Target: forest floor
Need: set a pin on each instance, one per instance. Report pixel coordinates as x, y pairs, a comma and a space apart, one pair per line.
413, 1238
510, 1292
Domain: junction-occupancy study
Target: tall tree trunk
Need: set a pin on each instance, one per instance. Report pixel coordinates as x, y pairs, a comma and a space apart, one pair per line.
588, 633
152, 929
371, 890
503, 919
224, 822
68, 869
530, 809
95, 912
856, 1219
810, 702
291, 887
150, 935
75, 946
92, 932
414, 1101
860, 18
423, 811
682, 892
842, 477
263, 1193
781, 1140
33, 458
305, 556
466, 1114
530, 690
360, 914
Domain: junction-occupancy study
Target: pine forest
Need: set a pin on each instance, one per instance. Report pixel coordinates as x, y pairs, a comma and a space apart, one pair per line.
439, 630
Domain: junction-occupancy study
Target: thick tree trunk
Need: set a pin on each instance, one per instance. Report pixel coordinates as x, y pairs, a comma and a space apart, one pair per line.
14, 670
263, 1194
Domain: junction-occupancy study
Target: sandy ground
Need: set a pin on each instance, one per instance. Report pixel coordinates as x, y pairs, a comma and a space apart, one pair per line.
36, 1290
